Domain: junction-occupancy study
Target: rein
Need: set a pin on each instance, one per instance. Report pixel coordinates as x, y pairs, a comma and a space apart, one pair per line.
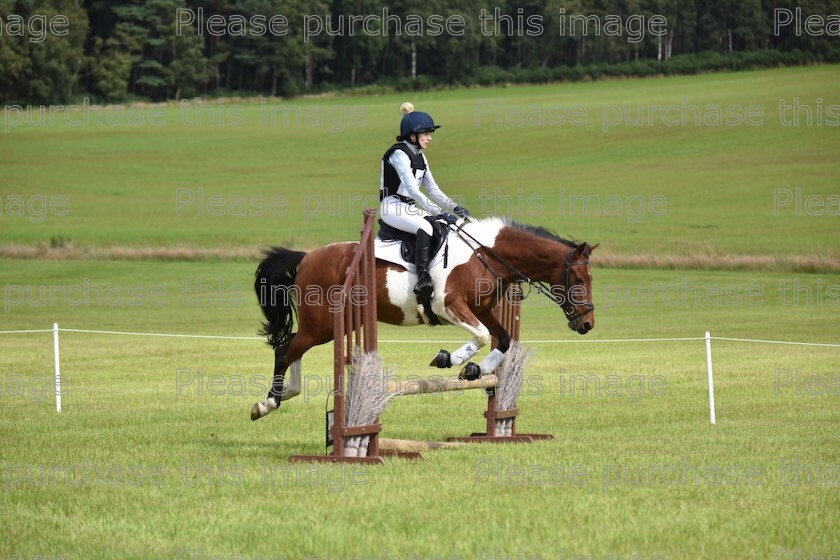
541, 287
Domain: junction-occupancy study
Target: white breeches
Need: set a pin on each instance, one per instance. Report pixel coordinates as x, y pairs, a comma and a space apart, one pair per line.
404, 217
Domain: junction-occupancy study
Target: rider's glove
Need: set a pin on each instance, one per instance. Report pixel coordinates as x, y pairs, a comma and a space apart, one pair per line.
462, 212
451, 218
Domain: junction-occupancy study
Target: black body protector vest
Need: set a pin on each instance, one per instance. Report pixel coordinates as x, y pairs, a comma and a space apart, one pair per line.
391, 180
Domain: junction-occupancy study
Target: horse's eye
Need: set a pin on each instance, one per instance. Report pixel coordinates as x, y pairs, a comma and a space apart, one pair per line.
579, 281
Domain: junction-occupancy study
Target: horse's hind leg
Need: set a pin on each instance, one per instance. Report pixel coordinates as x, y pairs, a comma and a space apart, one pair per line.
288, 355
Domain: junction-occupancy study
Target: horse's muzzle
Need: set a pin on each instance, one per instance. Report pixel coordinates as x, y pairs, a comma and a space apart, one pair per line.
582, 327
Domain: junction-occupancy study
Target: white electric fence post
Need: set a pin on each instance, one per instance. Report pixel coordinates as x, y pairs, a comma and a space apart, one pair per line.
711, 377
57, 370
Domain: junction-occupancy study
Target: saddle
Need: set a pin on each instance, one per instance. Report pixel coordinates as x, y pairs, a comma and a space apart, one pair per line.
408, 241
408, 250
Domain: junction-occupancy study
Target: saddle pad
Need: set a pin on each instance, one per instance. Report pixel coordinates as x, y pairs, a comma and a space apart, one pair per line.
391, 251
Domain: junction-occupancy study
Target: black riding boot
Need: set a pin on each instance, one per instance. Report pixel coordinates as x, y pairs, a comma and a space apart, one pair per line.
424, 290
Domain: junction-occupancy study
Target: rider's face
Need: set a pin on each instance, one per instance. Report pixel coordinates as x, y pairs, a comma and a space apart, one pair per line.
423, 139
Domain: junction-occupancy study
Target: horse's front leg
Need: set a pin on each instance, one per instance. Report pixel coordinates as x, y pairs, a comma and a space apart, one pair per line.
497, 355
459, 314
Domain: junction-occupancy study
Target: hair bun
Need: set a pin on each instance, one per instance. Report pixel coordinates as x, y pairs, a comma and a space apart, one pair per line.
406, 108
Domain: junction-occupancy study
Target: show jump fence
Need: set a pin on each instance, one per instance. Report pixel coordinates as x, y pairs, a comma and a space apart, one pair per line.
354, 326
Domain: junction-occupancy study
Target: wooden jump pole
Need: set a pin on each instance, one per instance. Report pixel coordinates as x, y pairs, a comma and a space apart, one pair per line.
412, 446
433, 385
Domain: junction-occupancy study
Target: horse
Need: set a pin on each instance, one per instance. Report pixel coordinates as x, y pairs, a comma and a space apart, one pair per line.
484, 257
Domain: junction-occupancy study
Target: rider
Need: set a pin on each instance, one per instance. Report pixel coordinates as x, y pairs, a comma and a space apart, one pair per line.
403, 205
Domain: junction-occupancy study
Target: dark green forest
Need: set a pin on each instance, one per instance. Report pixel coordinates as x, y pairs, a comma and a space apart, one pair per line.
57, 51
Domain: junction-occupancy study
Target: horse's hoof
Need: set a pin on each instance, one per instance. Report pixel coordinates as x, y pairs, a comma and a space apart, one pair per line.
470, 372
255, 412
442, 360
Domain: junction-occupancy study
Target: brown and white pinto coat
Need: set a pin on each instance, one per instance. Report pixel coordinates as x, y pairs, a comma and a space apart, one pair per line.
465, 293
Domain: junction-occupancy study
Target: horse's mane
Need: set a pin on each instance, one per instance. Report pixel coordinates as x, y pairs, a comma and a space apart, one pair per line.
539, 231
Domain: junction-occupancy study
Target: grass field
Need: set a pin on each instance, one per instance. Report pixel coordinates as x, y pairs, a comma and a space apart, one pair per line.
152, 185
154, 454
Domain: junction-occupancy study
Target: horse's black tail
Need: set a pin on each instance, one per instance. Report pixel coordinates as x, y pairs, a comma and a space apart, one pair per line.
274, 283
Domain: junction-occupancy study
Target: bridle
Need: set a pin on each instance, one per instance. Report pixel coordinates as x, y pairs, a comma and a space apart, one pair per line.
588, 306
566, 303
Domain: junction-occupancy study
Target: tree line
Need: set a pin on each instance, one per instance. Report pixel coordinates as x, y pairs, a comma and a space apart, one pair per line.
123, 50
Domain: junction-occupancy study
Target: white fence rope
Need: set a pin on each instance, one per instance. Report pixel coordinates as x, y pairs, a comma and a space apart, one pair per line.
708, 338
170, 335
777, 342
383, 341
439, 341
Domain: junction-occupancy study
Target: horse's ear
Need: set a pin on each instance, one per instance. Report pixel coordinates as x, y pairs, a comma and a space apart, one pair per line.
582, 250
592, 248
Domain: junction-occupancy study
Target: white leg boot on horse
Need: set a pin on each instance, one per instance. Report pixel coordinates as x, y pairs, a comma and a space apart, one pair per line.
459, 314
